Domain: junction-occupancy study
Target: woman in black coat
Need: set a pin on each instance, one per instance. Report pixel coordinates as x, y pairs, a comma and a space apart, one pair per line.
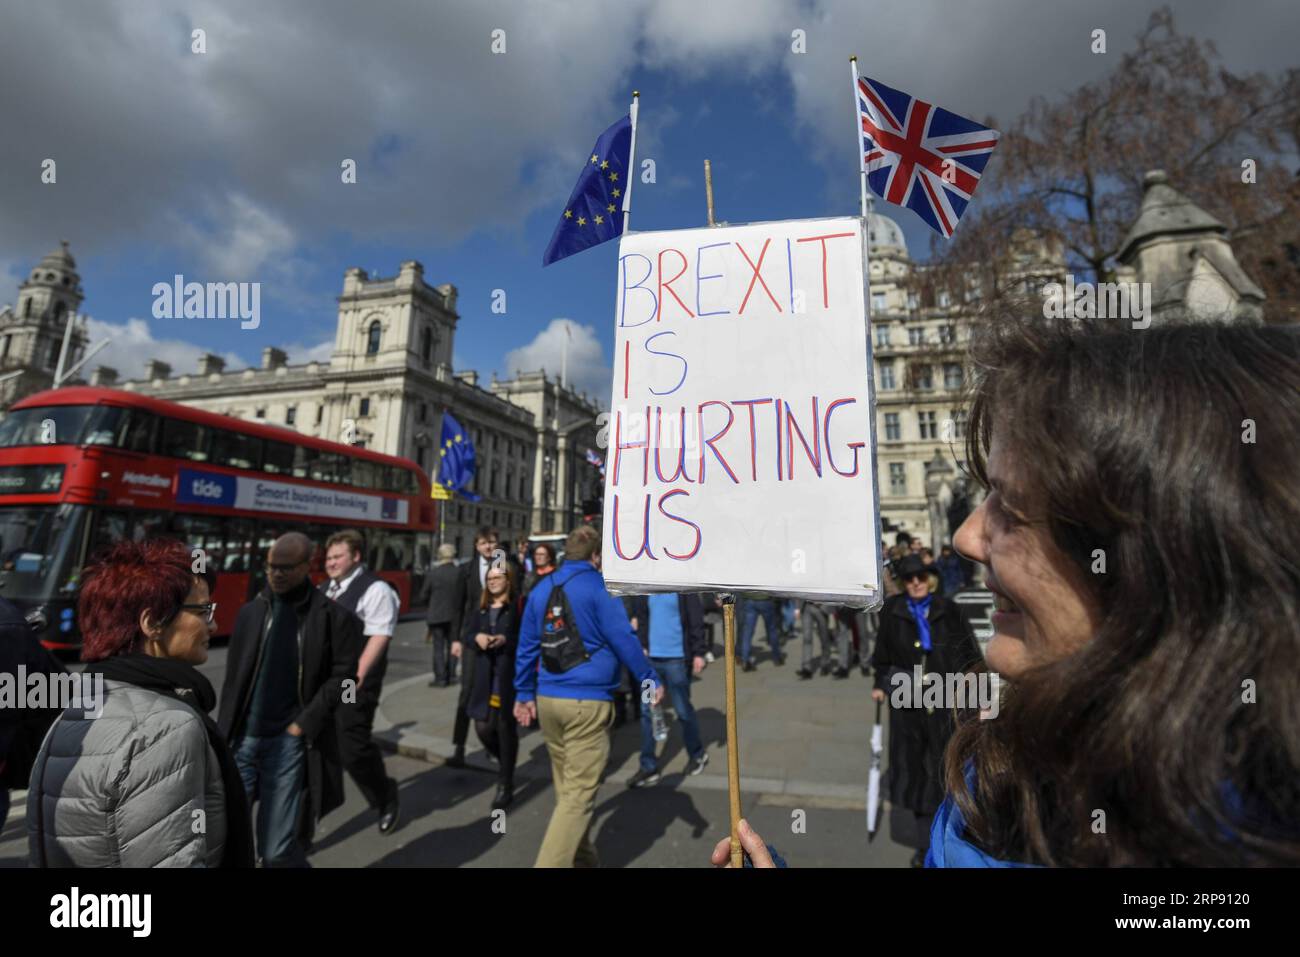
487, 691
925, 630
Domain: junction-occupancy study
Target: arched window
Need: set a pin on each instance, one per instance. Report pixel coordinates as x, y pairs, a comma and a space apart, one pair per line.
426, 345
372, 338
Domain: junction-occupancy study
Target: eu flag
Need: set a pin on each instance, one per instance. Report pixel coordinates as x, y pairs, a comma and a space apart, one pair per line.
594, 212
457, 454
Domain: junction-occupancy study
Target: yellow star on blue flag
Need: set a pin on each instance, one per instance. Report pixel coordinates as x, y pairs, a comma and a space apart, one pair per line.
583, 223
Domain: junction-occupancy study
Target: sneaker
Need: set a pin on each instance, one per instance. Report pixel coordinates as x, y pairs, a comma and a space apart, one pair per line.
749, 666
804, 674
644, 778
708, 656
695, 767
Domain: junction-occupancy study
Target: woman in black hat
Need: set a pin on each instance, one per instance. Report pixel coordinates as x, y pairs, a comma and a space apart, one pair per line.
918, 629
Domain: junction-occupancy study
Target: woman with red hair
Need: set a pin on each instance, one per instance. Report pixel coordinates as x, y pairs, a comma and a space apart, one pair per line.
144, 778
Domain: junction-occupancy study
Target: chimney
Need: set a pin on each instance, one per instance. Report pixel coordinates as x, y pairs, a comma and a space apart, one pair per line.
156, 369
210, 364
105, 376
273, 358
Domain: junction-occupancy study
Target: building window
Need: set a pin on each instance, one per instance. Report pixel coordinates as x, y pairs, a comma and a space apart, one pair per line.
290, 415
372, 338
492, 486
911, 301
364, 410
892, 431
887, 376
4, 354
897, 478
420, 456
424, 413
320, 414
959, 423
915, 336
426, 345
882, 337
27, 308
260, 413
947, 335
944, 299
925, 421
877, 302
923, 377
951, 375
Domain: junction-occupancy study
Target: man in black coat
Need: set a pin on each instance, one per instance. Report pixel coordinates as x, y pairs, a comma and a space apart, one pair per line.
925, 631
444, 591
670, 628
292, 659
21, 729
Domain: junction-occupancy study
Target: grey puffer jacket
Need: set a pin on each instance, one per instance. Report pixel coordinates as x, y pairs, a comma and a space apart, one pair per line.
124, 789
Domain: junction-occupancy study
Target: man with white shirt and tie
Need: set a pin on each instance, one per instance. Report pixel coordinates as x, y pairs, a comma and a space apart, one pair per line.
474, 579
374, 601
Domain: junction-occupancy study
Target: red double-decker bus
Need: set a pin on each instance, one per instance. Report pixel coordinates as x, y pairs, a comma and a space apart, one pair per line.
83, 467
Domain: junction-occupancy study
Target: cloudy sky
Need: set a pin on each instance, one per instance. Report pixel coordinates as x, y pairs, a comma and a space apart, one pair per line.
225, 165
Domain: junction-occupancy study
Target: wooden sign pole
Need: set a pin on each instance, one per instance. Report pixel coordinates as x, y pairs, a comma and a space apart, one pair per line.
733, 736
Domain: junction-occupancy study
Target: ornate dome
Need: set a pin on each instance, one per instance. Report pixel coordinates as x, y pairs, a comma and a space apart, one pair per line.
58, 268
883, 232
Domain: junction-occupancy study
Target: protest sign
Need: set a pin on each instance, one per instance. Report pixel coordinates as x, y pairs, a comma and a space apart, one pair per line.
741, 433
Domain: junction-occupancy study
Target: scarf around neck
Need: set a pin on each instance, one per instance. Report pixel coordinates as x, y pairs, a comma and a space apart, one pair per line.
920, 610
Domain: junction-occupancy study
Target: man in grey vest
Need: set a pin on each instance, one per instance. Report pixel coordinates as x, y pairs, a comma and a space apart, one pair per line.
371, 599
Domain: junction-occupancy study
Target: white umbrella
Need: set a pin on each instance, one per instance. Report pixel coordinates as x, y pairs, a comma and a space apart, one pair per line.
873, 779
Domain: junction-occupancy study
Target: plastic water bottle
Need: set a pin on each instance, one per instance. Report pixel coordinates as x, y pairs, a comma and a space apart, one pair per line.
658, 722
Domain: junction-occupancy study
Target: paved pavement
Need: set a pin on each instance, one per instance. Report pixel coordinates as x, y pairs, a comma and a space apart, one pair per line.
804, 758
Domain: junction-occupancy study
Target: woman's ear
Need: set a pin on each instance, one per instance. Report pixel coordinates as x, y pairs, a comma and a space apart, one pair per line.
147, 627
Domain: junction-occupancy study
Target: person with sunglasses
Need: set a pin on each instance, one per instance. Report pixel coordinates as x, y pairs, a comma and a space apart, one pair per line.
918, 629
140, 776
292, 663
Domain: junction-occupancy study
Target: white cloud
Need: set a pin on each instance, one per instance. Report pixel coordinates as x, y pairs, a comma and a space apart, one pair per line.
299, 353
586, 368
133, 343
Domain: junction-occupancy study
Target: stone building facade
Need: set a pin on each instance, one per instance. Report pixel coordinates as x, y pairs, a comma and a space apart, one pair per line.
33, 329
386, 386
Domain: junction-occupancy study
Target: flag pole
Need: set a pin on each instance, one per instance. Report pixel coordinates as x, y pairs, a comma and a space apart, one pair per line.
862, 152
631, 164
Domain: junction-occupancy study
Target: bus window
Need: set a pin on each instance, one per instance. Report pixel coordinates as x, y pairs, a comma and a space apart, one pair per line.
138, 431
201, 532
185, 440
236, 449
304, 462
40, 550
278, 457
105, 425
364, 473
238, 555
48, 425
106, 529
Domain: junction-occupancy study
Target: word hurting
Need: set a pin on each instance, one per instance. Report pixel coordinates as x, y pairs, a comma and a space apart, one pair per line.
772, 422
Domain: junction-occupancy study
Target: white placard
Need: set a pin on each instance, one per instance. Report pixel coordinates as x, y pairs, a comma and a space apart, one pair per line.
741, 451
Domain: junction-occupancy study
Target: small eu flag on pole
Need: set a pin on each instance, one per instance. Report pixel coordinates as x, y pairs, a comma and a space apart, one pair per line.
457, 466
594, 212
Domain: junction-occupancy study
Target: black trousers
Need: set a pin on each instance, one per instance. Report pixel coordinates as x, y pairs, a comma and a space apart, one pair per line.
444, 665
357, 749
500, 735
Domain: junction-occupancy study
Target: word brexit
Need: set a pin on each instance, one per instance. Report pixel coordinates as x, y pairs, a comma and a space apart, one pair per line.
779, 275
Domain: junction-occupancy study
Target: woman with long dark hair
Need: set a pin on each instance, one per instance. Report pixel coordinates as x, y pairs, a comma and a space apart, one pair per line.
487, 691
1141, 535
145, 778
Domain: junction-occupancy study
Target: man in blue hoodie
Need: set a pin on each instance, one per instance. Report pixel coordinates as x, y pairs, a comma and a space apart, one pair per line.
576, 707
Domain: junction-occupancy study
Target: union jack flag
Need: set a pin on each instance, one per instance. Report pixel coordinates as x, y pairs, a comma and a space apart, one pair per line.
919, 155
596, 460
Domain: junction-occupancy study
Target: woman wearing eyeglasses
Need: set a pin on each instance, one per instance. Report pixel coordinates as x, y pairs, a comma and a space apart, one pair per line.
140, 776
918, 630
